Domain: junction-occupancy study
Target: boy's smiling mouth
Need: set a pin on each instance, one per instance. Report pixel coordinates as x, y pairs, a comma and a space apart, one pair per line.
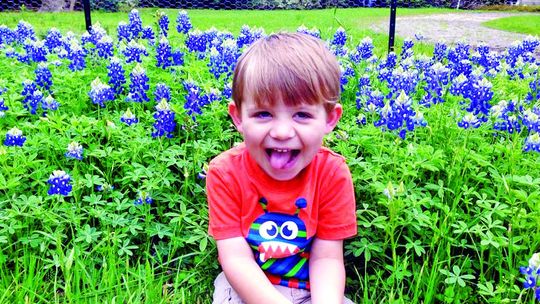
282, 158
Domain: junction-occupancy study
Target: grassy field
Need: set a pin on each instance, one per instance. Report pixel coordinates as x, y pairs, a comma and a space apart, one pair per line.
529, 24
446, 215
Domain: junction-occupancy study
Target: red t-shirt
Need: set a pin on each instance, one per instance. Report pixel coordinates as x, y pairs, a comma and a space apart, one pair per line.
280, 218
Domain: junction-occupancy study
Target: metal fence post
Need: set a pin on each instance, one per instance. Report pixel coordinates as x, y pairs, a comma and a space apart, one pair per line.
87, 17
392, 29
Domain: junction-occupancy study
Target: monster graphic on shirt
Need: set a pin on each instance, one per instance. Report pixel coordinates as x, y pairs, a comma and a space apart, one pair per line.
281, 247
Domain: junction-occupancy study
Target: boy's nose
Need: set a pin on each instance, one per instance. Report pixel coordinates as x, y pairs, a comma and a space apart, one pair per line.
282, 131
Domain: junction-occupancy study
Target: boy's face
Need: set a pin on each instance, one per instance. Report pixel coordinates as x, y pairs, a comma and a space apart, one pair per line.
283, 139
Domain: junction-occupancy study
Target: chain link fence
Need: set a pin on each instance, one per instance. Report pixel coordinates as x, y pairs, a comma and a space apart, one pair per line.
126, 5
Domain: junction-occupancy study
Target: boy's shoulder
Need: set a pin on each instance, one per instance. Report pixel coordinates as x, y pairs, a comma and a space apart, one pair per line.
326, 155
229, 158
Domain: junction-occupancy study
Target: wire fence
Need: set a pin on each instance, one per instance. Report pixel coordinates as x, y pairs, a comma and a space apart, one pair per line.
127, 5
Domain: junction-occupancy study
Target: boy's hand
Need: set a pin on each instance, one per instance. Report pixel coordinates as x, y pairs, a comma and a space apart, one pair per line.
326, 271
243, 273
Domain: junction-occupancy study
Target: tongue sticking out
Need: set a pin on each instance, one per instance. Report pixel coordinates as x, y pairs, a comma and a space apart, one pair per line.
278, 160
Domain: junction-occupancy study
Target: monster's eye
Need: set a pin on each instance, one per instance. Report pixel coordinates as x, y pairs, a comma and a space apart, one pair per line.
289, 230
268, 230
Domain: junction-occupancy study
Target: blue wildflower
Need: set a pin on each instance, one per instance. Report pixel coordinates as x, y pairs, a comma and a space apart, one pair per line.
183, 23
53, 39
104, 47
398, 115
532, 273
116, 75
440, 51
135, 23
104, 188
74, 150
134, 51
223, 62
364, 50
165, 124
406, 49
123, 31
340, 38
531, 119
196, 41
469, 121
178, 57
60, 183
247, 36
128, 118
164, 53
505, 118
34, 101
3, 107
76, 55
36, 50
437, 78
100, 93
144, 198
346, 73
532, 143
14, 137
313, 32
43, 76
7, 36
163, 23
138, 86
148, 34
227, 91
24, 31
29, 87
49, 103
162, 92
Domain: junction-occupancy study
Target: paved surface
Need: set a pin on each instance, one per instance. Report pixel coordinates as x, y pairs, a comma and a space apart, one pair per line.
454, 27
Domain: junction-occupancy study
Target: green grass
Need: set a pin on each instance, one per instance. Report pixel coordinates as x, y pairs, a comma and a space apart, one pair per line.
528, 24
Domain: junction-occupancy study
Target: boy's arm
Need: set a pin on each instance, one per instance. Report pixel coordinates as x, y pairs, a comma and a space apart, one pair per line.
326, 271
243, 273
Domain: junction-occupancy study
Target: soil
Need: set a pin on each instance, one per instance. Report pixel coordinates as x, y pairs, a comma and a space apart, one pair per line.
454, 27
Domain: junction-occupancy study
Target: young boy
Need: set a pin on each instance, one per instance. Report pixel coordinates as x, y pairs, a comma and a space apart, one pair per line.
280, 204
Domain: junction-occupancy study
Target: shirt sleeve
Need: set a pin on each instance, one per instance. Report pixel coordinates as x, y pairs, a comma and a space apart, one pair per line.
337, 209
223, 206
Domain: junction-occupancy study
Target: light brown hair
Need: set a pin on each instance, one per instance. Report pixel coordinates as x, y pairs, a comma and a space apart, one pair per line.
293, 67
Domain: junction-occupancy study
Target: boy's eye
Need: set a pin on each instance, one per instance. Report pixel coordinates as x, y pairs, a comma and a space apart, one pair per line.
262, 114
303, 115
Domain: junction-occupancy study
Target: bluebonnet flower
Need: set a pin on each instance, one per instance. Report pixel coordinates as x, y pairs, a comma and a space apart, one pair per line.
60, 183
97, 33
43, 76
313, 32
361, 119
165, 124
116, 72
53, 39
531, 119
194, 102
123, 31
36, 50
532, 143
100, 93
212, 96
340, 38
148, 34
183, 23
22, 57
74, 150
440, 51
3, 107
14, 137
346, 73
49, 103
24, 31
398, 115
532, 273
534, 94
29, 87
7, 36
227, 91
135, 23
247, 36
139, 85
128, 118
504, 116
133, 52
469, 121
364, 50
480, 96
33, 103
143, 198
163, 24
86, 39
76, 55
164, 53
104, 47
196, 41
437, 77
162, 92
403, 80
177, 57
406, 49
224, 62
374, 102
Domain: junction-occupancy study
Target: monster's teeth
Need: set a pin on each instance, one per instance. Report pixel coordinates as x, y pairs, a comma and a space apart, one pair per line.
262, 257
265, 246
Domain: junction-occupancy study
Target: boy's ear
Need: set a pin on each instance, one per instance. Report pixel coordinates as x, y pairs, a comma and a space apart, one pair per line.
236, 116
333, 117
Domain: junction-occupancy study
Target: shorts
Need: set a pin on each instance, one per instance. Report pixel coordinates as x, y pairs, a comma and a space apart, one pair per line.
225, 294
